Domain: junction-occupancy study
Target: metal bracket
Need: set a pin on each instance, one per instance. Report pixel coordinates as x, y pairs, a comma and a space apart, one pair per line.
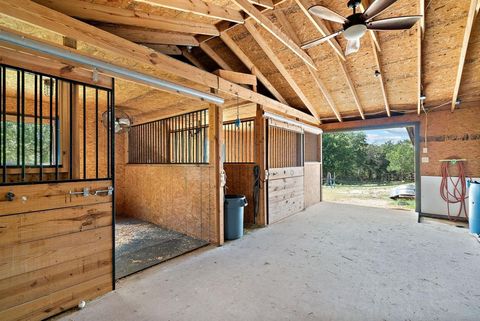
267, 175
108, 191
85, 192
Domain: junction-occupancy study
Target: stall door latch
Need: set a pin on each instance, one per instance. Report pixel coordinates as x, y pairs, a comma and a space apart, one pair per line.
107, 192
85, 192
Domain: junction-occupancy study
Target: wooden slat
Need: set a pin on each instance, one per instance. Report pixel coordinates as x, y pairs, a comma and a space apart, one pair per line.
463, 52
280, 66
251, 66
50, 196
60, 301
31, 256
28, 227
280, 173
208, 50
287, 126
30, 286
136, 18
149, 36
380, 76
274, 30
199, 7
170, 50
237, 77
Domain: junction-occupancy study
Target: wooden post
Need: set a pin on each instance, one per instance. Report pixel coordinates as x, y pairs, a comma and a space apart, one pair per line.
260, 160
215, 115
320, 159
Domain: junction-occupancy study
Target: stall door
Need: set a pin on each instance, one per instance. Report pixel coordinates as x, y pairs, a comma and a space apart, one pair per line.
285, 170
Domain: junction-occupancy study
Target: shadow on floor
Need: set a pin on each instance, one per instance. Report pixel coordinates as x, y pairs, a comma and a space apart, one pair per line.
139, 245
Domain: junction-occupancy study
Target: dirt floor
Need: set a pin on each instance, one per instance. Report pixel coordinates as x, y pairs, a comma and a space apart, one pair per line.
330, 262
373, 195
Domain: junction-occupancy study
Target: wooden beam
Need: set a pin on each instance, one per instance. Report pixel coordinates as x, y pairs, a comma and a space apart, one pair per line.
152, 37
320, 26
283, 21
351, 85
420, 32
463, 52
280, 66
198, 7
214, 56
267, 4
136, 18
274, 30
251, 66
365, 4
190, 57
57, 22
170, 50
237, 77
380, 76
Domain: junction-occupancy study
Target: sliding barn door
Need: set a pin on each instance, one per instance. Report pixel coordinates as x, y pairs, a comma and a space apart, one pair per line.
285, 170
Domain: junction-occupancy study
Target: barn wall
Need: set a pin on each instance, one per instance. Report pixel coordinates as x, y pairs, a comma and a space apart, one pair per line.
240, 180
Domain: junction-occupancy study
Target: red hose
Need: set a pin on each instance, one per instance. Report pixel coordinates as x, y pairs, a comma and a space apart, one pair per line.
459, 194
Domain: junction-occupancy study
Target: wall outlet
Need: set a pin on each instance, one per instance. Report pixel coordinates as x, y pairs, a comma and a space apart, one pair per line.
425, 159
425, 150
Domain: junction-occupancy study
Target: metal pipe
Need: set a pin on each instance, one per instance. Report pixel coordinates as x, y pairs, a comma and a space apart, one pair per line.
107, 68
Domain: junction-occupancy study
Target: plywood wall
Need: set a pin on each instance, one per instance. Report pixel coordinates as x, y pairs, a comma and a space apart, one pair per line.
240, 180
55, 249
312, 183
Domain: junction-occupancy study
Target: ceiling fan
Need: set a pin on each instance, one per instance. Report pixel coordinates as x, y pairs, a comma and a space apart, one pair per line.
355, 25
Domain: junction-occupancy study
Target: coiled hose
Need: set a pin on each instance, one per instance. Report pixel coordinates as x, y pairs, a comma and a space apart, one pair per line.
459, 193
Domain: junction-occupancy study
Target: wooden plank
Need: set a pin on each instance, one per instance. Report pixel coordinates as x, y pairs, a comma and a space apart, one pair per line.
251, 66
279, 173
59, 301
208, 50
22, 228
286, 208
280, 66
31, 256
50, 196
284, 125
267, 4
274, 30
420, 32
312, 183
261, 161
30, 286
380, 76
286, 182
136, 18
237, 77
16, 58
463, 51
57, 22
149, 36
170, 50
190, 57
199, 7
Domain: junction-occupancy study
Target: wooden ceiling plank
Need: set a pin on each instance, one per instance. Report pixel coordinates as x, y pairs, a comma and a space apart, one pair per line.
280, 66
463, 52
57, 22
208, 50
380, 76
136, 18
274, 30
164, 49
320, 26
230, 43
151, 37
283, 21
198, 7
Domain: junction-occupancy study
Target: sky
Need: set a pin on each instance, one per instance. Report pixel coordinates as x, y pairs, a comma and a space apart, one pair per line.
381, 136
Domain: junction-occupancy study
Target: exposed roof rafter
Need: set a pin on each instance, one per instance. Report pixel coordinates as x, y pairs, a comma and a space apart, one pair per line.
208, 50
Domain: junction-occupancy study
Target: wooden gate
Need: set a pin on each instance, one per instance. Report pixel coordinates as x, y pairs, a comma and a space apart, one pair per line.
285, 170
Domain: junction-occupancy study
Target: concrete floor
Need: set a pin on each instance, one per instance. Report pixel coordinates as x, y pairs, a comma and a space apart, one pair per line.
330, 262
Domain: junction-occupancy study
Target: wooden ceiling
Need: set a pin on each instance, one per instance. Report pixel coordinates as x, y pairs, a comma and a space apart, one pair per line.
263, 38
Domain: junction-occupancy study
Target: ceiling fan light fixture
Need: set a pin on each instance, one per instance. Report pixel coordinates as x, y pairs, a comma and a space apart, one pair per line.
355, 32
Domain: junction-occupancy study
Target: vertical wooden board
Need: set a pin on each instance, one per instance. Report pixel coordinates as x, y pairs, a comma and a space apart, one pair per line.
313, 183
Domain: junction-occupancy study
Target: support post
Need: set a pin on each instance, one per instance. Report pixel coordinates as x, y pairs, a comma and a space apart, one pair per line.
260, 160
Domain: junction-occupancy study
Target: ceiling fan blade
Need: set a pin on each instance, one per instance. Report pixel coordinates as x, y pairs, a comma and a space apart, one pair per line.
313, 43
397, 23
352, 46
327, 14
377, 7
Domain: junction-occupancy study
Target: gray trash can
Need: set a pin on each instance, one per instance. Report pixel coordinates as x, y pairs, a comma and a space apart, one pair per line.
233, 215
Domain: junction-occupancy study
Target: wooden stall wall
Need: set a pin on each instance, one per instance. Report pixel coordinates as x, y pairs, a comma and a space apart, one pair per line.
241, 180
313, 169
55, 248
285, 192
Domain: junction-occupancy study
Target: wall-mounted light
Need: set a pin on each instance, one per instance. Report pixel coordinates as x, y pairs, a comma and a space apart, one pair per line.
377, 73
423, 97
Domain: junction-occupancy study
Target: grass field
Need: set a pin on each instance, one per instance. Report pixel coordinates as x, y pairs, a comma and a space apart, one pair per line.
375, 195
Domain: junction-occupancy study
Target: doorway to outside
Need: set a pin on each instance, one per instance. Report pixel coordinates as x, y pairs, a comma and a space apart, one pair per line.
371, 167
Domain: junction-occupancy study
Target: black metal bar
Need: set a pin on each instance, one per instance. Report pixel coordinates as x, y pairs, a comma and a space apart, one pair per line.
109, 131
23, 125
2, 122
84, 132
4, 100
51, 121
96, 133
70, 158
112, 175
57, 132
35, 120
40, 162
18, 118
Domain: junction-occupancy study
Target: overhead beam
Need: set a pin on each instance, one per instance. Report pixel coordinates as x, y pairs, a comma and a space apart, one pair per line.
237, 77
280, 66
170, 50
463, 52
152, 37
267, 4
198, 7
268, 25
251, 66
380, 76
136, 18
318, 24
57, 22
208, 50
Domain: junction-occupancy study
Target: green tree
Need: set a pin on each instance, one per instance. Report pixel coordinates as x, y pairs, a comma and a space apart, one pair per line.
401, 159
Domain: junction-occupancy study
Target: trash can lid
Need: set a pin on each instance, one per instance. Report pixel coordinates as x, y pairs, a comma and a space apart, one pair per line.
231, 196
